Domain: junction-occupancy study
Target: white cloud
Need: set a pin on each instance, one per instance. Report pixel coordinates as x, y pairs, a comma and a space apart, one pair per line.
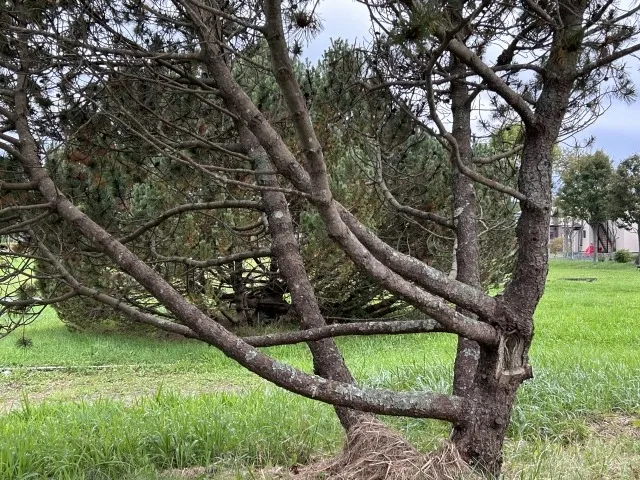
341, 19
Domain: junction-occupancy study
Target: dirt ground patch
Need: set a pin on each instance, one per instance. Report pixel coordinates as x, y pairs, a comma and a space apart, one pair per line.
614, 426
611, 451
210, 473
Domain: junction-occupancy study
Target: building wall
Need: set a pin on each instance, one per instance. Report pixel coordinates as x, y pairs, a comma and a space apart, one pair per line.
623, 238
578, 238
627, 240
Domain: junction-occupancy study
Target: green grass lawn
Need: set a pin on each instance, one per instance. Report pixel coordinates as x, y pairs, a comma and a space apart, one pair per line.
170, 404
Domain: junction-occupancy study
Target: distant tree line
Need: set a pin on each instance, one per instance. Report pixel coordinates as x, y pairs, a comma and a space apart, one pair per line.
593, 191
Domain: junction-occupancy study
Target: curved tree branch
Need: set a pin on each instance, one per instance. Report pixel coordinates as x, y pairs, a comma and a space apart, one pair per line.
415, 212
215, 262
189, 207
606, 60
344, 329
497, 156
493, 81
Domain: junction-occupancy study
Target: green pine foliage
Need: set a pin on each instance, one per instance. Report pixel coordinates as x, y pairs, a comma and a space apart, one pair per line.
625, 192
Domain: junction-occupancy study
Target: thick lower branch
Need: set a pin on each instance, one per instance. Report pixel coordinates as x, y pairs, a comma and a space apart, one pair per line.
429, 278
21, 208
33, 302
344, 329
9, 186
327, 359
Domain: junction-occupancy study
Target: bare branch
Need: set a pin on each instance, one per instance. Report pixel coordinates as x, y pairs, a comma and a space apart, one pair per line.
32, 302
11, 116
8, 186
344, 329
132, 313
498, 156
541, 13
190, 207
606, 60
222, 14
22, 226
432, 217
494, 82
455, 150
142, 54
12, 140
595, 18
22, 208
214, 262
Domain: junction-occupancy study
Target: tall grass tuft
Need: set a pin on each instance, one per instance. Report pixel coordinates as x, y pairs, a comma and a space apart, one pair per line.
257, 428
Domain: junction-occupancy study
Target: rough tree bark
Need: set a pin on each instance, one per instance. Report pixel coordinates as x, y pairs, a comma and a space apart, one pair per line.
327, 360
500, 371
465, 208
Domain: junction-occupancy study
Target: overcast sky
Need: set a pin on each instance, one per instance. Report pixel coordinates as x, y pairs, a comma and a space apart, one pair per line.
617, 132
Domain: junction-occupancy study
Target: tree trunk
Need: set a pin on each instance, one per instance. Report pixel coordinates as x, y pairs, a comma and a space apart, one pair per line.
596, 234
466, 222
480, 438
501, 370
327, 359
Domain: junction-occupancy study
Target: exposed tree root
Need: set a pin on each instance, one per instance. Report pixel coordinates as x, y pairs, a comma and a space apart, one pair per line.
375, 452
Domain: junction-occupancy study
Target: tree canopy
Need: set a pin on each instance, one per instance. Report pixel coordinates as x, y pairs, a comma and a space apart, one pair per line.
585, 190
